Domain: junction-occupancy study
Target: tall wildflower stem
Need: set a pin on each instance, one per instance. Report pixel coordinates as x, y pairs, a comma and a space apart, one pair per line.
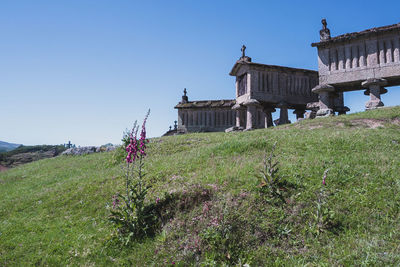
132, 219
140, 172
127, 183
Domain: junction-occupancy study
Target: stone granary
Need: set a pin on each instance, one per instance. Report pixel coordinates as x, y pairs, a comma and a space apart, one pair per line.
260, 89
205, 115
366, 60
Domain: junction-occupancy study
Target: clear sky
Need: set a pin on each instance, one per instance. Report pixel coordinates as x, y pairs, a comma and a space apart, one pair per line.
85, 70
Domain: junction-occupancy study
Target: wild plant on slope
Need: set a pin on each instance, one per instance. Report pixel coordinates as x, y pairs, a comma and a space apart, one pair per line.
271, 183
131, 217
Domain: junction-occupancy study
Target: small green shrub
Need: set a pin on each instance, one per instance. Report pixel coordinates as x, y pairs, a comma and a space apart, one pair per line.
272, 184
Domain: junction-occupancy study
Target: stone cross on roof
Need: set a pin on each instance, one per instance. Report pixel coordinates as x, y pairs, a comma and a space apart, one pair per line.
244, 57
243, 49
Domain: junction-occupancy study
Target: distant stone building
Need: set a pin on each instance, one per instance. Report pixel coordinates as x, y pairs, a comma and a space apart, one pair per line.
205, 116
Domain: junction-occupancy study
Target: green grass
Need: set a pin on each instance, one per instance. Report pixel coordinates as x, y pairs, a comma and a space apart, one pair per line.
52, 212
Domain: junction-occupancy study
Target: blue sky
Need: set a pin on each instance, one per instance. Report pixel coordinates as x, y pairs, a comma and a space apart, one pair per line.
85, 70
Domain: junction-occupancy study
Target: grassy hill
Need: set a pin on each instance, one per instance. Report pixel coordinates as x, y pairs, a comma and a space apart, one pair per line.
52, 211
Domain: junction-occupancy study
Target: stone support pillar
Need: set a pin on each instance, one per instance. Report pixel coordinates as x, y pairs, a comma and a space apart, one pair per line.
283, 116
251, 117
239, 109
268, 117
374, 90
262, 119
251, 105
324, 92
238, 119
299, 113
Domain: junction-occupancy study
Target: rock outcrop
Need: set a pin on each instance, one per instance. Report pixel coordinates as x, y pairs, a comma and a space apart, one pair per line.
88, 150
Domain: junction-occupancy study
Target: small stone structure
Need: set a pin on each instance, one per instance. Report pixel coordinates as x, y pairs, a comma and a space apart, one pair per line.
368, 60
204, 116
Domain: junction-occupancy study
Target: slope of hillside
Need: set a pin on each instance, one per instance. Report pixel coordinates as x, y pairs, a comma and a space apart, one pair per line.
26, 154
52, 211
4, 146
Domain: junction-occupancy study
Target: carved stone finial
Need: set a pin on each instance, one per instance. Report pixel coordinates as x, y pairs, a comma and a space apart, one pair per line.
185, 98
170, 128
244, 57
324, 33
175, 125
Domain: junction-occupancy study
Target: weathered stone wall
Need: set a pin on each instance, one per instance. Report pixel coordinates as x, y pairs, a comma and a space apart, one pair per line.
205, 119
358, 59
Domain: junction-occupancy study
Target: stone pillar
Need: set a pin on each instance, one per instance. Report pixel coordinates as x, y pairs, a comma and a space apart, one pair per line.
299, 113
251, 105
238, 120
239, 115
262, 119
251, 117
324, 92
268, 117
283, 116
374, 90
